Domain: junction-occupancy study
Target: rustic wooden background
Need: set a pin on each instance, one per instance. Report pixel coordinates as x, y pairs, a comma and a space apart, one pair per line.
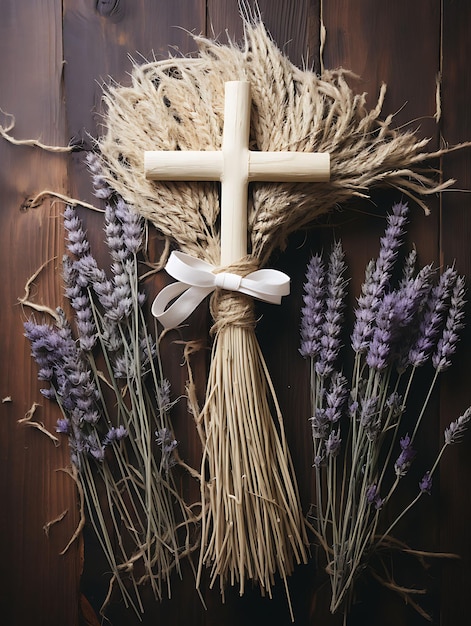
54, 56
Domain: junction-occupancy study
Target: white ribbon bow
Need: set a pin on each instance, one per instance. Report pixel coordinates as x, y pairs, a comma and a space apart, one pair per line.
196, 280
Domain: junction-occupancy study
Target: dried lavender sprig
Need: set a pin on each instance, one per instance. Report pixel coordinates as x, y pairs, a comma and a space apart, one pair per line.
80, 301
78, 243
377, 277
140, 414
102, 189
124, 230
385, 333
447, 343
168, 444
407, 455
132, 226
412, 294
432, 319
390, 244
333, 442
73, 385
454, 432
335, 397
333, 314
370, 416
396, 316
312, 312
347, 529
409, 268
452, 435
425, 484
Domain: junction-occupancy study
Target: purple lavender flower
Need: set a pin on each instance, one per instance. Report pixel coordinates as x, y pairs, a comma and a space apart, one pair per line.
378, 503
394, 403
77, 241
87, 271
103, 287
332, 444
408, 269
122, 309
94, 448
371, 493
102, 189
425, 485
72, 382
454, 432
318, 460
120, 367
132, 226
384, 334
377, 278
320, 424
63, 426
353, 407
370, 419
163, 394
47, 349
77, 278
312, 312
394, 318
115, 434
368, 411
373, 497
412, 294
50, 393
85, 322
167, 445
432, 319
447, 343
123, 228
45, 373
335, 397
333, 314
406, 456
391, 242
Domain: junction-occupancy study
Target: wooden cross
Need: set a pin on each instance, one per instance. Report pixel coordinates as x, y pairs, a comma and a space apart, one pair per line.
235, 166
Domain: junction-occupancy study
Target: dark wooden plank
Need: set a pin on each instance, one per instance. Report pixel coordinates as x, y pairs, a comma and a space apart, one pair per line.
37, 584
98, 44
293, 25
456, 230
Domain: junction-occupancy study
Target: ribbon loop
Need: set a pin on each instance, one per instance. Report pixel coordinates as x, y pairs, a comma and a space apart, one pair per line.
196, 279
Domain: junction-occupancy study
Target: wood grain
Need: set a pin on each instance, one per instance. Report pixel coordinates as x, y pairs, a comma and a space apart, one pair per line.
293, 25
55, 58
37, 584
455, 248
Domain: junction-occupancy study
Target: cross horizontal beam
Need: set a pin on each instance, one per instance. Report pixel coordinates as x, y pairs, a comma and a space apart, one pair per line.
235, 166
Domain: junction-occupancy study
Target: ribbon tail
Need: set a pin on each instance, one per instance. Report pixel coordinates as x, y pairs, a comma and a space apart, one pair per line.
187, 299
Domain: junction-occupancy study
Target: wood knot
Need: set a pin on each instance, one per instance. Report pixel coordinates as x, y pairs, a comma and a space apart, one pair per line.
107, 8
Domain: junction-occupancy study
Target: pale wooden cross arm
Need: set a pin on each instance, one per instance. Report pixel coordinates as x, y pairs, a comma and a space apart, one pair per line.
235, 166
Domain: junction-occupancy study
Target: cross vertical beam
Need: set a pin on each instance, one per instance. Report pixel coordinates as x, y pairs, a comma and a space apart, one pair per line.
235, 174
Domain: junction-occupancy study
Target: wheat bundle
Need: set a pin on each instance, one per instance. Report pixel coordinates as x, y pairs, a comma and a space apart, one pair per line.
252, 523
